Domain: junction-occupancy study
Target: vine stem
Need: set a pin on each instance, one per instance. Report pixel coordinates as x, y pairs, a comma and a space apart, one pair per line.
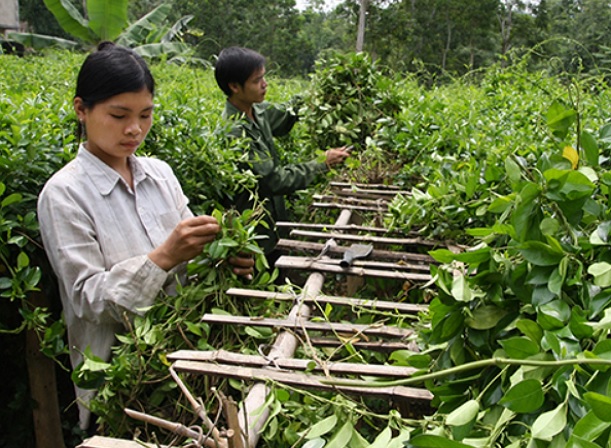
497, 362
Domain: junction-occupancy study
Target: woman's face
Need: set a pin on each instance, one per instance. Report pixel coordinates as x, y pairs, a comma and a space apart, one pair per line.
116, 126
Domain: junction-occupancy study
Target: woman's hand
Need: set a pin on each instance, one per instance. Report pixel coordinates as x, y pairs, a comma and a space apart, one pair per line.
186, 241
242, 265
335, 156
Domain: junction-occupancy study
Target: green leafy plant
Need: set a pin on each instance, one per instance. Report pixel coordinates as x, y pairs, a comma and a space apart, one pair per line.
528, 306
107, 20
351, 102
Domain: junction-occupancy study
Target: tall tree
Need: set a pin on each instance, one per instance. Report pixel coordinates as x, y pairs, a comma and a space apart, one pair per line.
360, 33
271, 28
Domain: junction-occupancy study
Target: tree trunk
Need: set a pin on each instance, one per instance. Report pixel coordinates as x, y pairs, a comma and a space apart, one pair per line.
360, 35
43, 388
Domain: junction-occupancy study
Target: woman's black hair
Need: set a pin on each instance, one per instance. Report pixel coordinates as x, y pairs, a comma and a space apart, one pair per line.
110, 71
236, 64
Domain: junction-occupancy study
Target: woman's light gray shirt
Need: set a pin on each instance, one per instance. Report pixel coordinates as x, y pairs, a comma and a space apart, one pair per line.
97, 233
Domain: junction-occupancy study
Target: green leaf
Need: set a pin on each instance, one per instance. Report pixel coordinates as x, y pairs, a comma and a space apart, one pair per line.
549, 226
461, 290
383, 439
474, 257
485, 317
604, 134
5, 283
530, 329
560, 119
553, 315
513, 170
432, 441
442, 255
590, 426
322, 427
500, 204
170, 49
342, 437
524, 397
22, 260
602, 273
464, 414
107, 18
550, 423
601, 405
519, 347
94, 365
525, 218
11, 199
590, 148
314, 443
540, 254
71, 20
194, 328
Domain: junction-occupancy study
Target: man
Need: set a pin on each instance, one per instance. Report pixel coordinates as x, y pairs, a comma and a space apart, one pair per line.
240, 73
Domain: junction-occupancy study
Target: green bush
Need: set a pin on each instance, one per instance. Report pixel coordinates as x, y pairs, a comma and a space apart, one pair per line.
514, 164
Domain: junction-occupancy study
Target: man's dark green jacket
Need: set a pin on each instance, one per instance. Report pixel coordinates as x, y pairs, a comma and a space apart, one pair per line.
274, 180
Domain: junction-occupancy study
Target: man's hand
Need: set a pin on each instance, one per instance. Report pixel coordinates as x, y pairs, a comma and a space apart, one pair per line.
335, 156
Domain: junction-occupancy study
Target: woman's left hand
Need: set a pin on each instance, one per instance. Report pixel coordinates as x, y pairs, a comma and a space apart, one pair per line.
243, 265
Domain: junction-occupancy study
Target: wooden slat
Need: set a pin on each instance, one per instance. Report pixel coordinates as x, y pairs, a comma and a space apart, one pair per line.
382, 202
348, 227
108, 442
377, 346
401, 307
361, 208
287, 262
365, 238
360, 185
305, 325
369, 191
298, 380
378, 254
366, 263
335, 368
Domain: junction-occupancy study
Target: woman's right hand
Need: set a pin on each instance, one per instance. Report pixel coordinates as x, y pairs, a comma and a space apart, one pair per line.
186, 241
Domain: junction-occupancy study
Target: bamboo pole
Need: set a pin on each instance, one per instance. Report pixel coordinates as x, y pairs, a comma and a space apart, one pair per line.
176, 428
284, 347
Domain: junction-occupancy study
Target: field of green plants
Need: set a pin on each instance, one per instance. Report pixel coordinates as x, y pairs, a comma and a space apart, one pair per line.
511, 164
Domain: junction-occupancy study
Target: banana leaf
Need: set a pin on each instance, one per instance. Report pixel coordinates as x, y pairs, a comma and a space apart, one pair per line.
177, 28
40, 41
138, 31
71, 20
107, 18
169, 49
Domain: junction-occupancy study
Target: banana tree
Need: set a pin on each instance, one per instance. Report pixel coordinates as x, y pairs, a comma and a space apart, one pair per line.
107, 20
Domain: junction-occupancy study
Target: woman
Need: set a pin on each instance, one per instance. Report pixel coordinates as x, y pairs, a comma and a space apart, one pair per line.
116, 228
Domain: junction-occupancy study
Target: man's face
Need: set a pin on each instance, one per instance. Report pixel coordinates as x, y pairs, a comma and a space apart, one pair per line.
253, 90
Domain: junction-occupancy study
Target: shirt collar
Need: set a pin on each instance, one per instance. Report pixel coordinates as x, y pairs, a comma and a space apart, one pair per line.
104, 177
232, 112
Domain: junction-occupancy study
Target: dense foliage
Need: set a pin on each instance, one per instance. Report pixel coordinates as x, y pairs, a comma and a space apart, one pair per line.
429, 37
511, 164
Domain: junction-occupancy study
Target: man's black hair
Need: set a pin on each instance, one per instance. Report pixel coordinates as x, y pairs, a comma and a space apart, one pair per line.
236, 64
